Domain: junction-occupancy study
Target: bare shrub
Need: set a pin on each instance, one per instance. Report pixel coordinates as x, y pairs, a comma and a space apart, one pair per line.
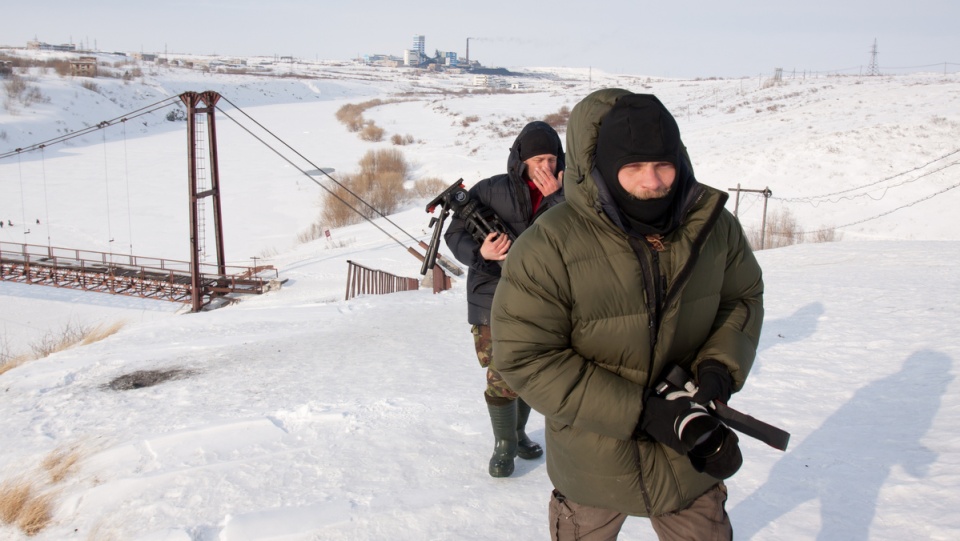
19, 88
781, 230
58, 340
62, 67
829, 234
429, 187
14, 86
335, 201
402, 140
376, 162
101, 332
131, 74
559, 119
71, 334
351, 116
371, 132
313, 232
14, 495
8, 362
23, 507
379, 184
5, 354
90, 85
36, 514
385, 192
469, 120
60, 463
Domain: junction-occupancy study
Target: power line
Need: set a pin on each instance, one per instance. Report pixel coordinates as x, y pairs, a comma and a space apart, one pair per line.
924, 66
891, 211
887, 188
810, 199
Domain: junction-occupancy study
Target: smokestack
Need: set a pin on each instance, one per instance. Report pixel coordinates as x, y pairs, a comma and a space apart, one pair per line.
468, 52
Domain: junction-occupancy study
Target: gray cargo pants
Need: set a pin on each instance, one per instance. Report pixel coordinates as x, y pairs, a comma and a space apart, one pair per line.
705, 519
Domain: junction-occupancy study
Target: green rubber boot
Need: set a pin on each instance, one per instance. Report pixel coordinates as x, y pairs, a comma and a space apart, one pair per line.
526, 448
504, 421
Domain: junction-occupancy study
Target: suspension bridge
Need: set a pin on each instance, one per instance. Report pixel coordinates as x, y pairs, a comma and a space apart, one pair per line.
190, 281
193, 281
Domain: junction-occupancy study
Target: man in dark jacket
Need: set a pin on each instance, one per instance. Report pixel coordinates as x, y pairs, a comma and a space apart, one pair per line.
532, 184
641, 268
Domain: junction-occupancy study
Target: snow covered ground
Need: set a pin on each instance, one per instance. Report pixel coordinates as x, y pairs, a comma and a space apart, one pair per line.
297, 415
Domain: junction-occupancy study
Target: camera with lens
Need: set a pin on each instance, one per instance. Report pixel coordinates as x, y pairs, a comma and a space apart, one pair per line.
712, 447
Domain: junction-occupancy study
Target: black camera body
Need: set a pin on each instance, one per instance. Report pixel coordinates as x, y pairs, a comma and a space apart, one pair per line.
712, 447
697, 428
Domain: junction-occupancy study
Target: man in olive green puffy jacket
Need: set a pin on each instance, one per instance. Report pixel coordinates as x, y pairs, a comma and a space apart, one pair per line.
640, 269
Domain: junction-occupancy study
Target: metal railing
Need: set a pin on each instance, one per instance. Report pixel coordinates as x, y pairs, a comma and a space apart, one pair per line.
363, 281
118, 274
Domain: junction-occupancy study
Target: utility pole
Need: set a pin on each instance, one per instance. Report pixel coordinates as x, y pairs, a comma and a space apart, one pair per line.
736, 207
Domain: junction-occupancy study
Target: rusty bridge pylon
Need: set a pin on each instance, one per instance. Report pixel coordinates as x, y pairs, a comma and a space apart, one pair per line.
202, 103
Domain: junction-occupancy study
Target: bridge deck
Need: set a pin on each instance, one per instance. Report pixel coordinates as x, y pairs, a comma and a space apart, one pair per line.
147, 277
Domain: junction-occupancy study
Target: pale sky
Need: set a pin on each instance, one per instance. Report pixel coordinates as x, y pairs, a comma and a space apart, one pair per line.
680, 38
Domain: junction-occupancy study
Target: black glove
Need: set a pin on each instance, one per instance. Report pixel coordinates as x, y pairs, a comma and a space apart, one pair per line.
722, 463
661, 419
688, 428
715, 382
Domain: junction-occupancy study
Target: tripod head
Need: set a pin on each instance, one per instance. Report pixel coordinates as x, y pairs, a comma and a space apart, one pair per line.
478, 219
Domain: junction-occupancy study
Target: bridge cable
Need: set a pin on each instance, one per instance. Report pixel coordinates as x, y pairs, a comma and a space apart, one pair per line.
46, 200
126, 173
275, 136
106, 184
100, 125
298, 168
23, 205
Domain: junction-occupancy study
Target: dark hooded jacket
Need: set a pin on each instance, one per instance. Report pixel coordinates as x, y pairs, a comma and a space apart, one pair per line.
508, 196
589, 313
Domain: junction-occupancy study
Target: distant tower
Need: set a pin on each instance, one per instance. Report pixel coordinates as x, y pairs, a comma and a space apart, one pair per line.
419, 45
873, 69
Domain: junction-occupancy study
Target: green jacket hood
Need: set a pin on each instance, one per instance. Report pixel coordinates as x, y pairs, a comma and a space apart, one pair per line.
585, 187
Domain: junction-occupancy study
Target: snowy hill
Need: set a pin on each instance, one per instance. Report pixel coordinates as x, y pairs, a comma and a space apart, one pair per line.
296, 415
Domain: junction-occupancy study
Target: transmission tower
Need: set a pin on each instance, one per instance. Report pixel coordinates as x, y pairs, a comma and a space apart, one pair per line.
873, 69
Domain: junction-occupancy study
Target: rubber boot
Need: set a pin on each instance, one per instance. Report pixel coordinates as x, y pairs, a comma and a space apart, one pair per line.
526, 448
504, 421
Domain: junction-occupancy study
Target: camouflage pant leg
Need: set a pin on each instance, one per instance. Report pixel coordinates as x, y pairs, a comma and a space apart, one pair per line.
496, 387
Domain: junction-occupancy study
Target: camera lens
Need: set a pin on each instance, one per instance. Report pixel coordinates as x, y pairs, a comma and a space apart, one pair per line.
699, 431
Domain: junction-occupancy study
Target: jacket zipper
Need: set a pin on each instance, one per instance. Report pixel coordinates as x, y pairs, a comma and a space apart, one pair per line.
658, 298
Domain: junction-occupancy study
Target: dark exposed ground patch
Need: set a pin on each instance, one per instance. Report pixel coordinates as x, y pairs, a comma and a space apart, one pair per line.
146, 378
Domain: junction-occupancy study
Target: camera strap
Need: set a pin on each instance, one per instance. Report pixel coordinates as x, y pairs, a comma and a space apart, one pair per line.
751, 426
677, 378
